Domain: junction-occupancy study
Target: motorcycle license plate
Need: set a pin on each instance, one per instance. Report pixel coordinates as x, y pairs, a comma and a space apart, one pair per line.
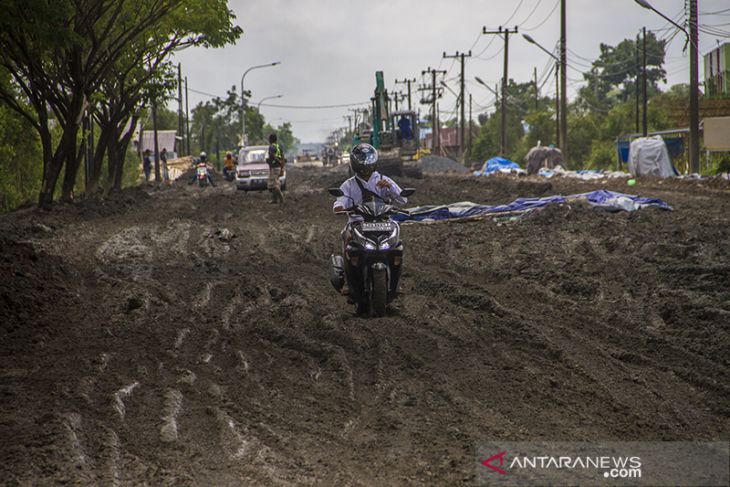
377, 226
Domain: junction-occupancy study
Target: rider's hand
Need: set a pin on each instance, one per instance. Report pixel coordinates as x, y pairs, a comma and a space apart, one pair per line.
383, 183
339, 209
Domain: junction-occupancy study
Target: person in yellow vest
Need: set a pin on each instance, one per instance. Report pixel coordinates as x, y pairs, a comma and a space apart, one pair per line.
276, 163
229, 166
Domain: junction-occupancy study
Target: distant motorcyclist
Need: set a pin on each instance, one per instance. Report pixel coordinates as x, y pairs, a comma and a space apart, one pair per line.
365, 185
229, 166
202, 164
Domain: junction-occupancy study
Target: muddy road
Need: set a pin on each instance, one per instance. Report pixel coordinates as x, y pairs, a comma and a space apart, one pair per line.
188, 337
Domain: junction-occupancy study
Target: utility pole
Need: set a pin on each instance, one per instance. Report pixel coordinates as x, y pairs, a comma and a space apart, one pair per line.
563, 83
643, 88
557, 104
505, 81
187, 117
398, 97
179, 112
434, 120
638, 96
534, 76
471, 130
349, 123
407, 82
694, 102
462, 122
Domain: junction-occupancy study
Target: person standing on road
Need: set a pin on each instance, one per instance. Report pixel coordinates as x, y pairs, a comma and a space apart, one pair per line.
147, 165
276, 163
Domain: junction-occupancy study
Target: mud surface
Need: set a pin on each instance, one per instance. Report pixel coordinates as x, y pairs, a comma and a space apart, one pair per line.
191, 337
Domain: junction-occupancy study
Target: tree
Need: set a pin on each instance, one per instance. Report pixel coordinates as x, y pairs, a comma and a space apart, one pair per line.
60, 53
20, 160
143, 76
520, 107
284, 136
612, 77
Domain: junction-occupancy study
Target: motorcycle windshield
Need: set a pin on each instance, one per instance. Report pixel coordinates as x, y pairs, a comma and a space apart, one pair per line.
375, 208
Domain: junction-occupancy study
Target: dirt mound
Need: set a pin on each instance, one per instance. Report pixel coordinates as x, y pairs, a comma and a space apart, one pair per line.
191, 337
438, 164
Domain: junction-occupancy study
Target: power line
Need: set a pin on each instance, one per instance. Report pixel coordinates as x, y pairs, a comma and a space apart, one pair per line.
295, 107
528, 29
532, 12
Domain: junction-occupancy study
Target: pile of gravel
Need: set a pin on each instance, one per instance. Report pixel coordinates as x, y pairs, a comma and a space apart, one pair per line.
437, 164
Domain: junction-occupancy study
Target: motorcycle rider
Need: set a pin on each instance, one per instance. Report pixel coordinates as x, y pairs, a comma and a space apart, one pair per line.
203, 163
366, 185
229, 166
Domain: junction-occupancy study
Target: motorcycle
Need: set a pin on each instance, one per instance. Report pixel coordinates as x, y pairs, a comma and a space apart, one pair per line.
201, 176
373, 258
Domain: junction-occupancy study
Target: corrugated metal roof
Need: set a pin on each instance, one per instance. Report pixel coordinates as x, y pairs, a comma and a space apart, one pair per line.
166, 139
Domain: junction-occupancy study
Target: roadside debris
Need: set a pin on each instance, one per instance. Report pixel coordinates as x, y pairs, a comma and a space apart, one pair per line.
466, 210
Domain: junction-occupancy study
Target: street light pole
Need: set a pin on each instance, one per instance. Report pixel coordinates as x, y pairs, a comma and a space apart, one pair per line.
561, 131
258, 106
694, 101
243, 99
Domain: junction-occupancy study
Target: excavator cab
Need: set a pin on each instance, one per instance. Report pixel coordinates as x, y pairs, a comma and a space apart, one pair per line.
405, 124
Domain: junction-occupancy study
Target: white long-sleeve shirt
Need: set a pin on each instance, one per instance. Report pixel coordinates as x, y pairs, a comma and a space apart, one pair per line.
353, 195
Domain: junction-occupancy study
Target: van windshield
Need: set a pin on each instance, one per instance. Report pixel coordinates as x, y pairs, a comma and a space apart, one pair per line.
254, 156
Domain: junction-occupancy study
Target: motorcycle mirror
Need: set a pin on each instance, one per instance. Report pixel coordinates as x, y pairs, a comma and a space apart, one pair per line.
406, 192
335, 192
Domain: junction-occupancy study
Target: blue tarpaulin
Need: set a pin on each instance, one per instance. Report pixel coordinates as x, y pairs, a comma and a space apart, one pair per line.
601, 198
498, 164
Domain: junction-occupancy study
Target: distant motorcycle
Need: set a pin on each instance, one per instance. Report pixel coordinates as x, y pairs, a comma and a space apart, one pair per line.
373, 258
202, 175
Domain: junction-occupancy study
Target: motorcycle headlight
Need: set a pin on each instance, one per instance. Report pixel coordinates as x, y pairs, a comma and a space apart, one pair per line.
384, 246
369, 246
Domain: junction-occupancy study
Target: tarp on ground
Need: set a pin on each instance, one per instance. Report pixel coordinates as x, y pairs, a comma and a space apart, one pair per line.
648, 156
583, 174
499, 165
602, 198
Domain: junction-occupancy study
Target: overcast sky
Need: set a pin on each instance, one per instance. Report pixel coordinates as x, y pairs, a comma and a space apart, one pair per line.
330, 49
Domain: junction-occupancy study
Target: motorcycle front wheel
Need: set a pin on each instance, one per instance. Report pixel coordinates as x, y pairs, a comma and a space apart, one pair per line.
379, 293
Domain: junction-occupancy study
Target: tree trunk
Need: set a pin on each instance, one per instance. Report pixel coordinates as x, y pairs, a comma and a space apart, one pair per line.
73, 161
98, 160
118, 151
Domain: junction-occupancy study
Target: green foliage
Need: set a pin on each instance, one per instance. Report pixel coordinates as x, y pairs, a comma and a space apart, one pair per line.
520, 106
21, 161
62, 54
612, 77
284, 136
603, 155
166, 120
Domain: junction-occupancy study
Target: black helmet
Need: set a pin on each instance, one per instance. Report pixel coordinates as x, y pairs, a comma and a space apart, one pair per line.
364, 160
